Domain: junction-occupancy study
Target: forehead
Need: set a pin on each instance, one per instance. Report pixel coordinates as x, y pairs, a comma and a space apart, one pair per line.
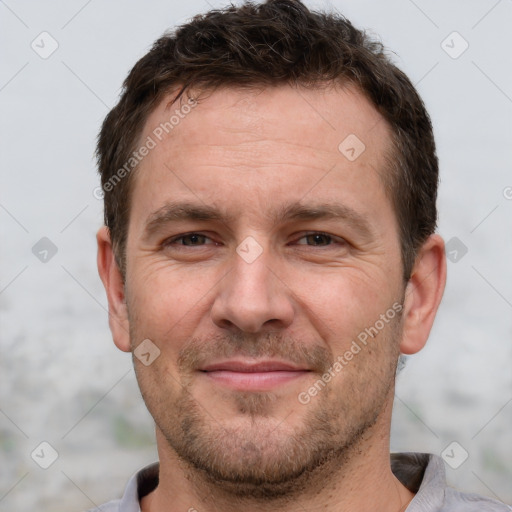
336, 111
263, 145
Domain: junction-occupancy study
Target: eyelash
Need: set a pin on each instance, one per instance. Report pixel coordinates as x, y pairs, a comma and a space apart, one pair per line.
332, 239
175, 239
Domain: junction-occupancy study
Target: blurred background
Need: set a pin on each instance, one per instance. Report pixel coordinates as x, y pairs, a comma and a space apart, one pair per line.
62, 380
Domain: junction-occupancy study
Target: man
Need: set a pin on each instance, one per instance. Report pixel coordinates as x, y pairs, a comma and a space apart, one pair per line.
270, 183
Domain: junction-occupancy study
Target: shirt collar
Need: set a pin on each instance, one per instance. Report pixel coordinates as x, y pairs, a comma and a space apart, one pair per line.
421, 473
139, 485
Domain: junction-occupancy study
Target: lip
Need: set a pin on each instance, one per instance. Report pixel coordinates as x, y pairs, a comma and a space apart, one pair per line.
253, 375
234, 365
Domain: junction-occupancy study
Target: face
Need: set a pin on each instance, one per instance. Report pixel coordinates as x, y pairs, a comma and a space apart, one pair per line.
263, 262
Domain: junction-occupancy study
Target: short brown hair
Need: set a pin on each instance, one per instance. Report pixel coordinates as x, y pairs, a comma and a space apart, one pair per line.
273, 43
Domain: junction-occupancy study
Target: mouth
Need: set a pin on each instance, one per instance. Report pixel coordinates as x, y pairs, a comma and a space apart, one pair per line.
253, 375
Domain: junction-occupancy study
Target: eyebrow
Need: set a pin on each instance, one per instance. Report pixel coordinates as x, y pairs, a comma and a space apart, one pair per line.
327, 211
183, 211
172, 211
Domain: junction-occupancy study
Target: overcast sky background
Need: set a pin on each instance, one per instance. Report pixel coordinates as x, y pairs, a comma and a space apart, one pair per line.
63, 381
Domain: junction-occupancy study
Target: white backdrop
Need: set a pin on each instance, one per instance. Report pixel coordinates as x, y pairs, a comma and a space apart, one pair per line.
63, 381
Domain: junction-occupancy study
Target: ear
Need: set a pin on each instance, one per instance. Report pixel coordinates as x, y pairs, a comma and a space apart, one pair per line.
423, 294
114, 286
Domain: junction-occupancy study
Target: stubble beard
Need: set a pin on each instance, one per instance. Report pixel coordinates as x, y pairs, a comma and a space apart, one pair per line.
262, 457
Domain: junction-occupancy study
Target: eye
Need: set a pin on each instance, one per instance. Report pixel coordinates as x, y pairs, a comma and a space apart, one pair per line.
189, 240
318, 239
193, 239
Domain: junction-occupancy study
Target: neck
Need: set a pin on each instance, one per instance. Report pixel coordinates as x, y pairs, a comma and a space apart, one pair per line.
359, 480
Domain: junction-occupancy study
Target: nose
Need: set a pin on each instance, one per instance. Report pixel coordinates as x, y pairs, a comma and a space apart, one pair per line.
251, 298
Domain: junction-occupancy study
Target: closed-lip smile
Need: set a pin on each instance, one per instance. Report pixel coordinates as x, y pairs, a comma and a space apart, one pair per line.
252, 375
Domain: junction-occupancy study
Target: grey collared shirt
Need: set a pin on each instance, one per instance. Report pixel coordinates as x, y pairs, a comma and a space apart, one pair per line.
422, 473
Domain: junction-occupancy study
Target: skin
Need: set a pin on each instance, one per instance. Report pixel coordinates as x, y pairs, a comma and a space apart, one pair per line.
250, 156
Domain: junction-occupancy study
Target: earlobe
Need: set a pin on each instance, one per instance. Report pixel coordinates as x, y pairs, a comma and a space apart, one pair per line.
423, 294
114, 286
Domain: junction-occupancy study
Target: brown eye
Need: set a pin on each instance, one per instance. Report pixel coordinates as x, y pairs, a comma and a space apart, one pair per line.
319, 239
192, 239
188, 240
316, 239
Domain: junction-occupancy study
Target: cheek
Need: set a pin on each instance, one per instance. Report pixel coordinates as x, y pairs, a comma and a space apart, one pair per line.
343, 302
166, 303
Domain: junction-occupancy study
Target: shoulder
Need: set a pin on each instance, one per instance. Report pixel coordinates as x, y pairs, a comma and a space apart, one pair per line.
456, 501
111, 506
424, 474
140, 484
